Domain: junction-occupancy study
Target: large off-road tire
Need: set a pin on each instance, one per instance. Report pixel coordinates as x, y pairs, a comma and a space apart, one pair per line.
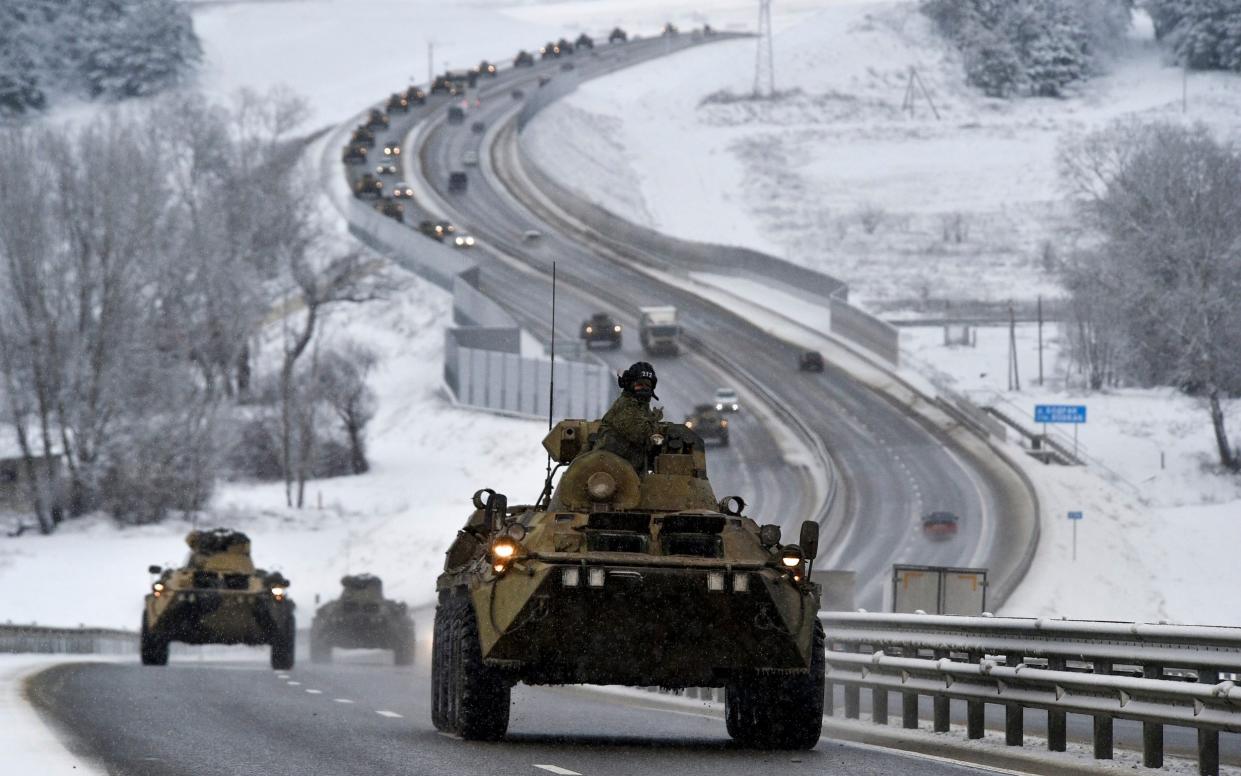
479, 694
283, 644
779, 712
439, 667
152, 648
320, 649
403, 652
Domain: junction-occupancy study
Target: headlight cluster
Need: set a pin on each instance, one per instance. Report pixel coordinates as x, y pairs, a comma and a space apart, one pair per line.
792, 560
157, 589
616, 328
506, 548
278, 593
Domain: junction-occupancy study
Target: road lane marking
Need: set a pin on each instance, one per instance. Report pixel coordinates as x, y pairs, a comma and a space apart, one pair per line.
295, 684
342, 700
282, 676
315, 692
557, 769
391, 714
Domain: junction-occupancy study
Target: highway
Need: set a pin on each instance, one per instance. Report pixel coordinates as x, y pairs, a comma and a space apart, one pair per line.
361, 716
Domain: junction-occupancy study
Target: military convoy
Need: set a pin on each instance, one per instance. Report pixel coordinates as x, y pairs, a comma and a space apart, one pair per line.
618, 576
367, 185
217, 597
601, 328
362, 618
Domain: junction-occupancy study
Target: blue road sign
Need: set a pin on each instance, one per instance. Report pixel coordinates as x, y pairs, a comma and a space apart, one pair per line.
1075, 515
1059, 413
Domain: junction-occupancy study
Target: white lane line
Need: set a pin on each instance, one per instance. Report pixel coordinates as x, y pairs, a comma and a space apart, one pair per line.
391, 714
315, 692
295, 684
342, 700
557, 769
282, 676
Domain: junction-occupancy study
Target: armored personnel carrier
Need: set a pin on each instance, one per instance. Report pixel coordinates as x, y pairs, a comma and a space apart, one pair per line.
632, 577
708, 423
218, 597
362, 618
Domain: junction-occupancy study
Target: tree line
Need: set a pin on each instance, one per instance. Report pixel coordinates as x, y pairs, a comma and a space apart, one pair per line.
144, 259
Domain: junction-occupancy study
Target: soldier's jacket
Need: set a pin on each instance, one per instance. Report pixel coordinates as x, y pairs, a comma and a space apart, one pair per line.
626, 427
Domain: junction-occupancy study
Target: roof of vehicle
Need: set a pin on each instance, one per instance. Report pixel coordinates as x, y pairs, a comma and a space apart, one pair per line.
940, 517
725, 392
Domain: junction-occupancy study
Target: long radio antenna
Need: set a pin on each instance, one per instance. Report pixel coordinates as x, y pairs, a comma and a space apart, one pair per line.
545, 496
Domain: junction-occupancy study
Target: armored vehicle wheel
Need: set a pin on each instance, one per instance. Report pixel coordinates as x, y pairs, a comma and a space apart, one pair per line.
403, 652
479, 696
320, 650
439, 668
777, 712
153, 649
282, 646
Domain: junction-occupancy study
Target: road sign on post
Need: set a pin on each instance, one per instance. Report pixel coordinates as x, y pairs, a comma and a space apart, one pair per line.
1061, 413
1075, 518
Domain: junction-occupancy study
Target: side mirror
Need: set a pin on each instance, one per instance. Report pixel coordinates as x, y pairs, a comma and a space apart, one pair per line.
316, 599
769, 535
810, 539
497, 508
155, 569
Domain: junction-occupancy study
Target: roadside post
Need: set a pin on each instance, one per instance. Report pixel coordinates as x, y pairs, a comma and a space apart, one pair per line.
1074, 414
1075, 518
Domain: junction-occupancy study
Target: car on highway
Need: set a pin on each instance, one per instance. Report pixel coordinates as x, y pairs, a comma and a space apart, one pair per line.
458, 181
940, 525
810, 361
600, 328
367, 185
391, 209
456, 114
387, 168
470, 158
416, 96
354, 154
363, 136
399, 102
436, 230
708, 423
531, 235
478, 127
726, 400
392, 148
402, 190
487, 69
618, 35
377, 118
565, 45
463, 241
584, 41
550, 50
523, 59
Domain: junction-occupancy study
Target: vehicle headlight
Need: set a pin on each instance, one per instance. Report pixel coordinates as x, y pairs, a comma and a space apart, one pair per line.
469, 240
278, 593
719, 407
459, 241
616, 329
791, 559
590, 330
158, 589
723, 424
503, 551
689, 424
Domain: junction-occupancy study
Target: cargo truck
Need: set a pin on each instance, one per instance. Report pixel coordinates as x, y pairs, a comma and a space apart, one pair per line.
659, 330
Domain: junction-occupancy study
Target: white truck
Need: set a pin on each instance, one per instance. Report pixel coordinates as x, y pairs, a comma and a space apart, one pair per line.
659, 330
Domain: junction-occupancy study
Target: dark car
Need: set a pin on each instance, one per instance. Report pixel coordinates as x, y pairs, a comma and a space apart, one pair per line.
487, 69
456, 114
550, 50
368, 186
478, 127
387, 168
618, 35
601, 328
940, 525
392, 148
402, 190
441, 85
377, 118
354, 154
458, 180
810, 361
391, 209
436, 230
564, 45
416, 96
708, 423
399, 102
523, 59
584, 41
363, 136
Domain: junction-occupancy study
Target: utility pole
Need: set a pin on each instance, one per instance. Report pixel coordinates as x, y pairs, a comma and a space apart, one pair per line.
764, 62
1040, 340
1014, 376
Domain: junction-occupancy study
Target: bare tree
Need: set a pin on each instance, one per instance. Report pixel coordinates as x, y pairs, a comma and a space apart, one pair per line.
1164, 202
342, 386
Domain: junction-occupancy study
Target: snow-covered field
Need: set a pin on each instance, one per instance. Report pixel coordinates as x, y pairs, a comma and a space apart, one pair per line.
835, 175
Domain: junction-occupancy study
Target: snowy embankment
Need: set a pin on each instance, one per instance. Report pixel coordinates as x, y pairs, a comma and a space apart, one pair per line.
962, 207
29, 745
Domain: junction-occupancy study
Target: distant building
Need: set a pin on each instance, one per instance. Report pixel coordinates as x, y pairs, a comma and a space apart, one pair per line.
14, 481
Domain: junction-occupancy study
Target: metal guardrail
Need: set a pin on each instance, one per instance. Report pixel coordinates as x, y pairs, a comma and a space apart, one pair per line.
15, 639
1155, 674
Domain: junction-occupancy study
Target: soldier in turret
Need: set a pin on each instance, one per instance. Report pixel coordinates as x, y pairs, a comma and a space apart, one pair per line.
629, 423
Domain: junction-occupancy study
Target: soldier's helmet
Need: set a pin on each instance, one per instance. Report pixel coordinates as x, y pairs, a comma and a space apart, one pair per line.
636, 379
